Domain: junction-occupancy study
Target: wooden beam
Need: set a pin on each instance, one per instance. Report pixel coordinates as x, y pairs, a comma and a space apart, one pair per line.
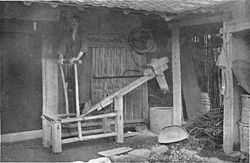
176, 71
228, 119
70, 140
115, 151
68, 120
237, 25
119, 119
83, 133
49, 117
201, 21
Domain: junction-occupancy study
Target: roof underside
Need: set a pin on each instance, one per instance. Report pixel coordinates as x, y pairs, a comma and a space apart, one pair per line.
163, 6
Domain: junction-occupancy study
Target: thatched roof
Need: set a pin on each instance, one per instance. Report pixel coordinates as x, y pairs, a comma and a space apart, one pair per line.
164, 6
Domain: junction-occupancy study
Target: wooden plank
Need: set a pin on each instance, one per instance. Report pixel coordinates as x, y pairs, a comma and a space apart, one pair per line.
70, 140
112, 122
176, 68
83, 124
100, 116
83, 132
201, 20
190, 86
119, 119
49, 117
108, 100
115, 151
68, 120
228, 119
65, 115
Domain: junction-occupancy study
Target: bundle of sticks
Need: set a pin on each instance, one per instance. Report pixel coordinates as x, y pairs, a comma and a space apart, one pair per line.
207, 128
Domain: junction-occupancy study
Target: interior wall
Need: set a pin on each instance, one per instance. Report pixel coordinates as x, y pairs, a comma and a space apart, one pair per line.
29, 21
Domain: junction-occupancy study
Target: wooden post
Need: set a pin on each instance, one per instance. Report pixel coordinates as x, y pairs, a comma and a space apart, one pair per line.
65, 90
79, 125
56, 137
119, 119
46, 133
228, 119
176, 71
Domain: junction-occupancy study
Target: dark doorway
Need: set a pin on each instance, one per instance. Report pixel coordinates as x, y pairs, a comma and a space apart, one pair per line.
21, 82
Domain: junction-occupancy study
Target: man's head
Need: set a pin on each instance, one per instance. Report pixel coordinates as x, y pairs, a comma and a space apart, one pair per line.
75, 22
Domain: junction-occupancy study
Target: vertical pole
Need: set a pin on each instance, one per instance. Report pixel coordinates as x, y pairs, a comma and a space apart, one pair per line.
119, 119
228, 119
56, 137
46, 132
176, 71
65, 89
79, 127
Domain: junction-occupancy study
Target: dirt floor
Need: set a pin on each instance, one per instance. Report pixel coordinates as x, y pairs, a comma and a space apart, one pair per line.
32, 150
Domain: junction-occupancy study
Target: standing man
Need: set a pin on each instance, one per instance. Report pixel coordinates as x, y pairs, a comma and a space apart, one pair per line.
72, 48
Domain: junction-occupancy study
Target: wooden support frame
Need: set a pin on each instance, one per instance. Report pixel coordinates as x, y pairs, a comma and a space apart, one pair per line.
201, 20
176, 71
52, 128
56, 122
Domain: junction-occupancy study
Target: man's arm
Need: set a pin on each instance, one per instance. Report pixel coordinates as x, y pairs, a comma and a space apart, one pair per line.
84, 47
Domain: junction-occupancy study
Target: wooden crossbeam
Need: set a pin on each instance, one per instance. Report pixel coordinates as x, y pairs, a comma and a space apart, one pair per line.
70, 140
68, 120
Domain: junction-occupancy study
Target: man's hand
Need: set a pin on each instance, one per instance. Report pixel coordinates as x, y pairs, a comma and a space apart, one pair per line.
80, 54
71, 60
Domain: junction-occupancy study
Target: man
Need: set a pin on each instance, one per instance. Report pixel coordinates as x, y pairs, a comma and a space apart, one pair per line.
72, 48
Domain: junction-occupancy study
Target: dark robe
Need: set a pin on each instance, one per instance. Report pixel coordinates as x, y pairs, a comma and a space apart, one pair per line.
70, 48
